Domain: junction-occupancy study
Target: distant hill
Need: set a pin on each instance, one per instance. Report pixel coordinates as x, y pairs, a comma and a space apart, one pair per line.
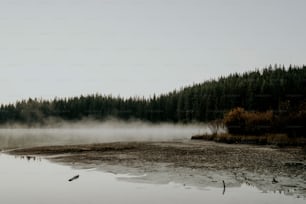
260, 90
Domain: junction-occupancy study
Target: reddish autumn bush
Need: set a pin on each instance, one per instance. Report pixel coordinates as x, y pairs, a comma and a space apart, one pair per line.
240, 121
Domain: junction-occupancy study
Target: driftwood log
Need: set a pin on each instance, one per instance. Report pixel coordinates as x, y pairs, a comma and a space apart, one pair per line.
74, 178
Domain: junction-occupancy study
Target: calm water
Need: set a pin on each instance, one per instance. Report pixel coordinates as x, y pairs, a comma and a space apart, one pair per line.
40, 181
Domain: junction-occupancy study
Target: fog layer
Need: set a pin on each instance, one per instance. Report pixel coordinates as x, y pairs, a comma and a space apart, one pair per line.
86, 132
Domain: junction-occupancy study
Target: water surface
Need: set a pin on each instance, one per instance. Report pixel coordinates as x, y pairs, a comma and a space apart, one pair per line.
28, 180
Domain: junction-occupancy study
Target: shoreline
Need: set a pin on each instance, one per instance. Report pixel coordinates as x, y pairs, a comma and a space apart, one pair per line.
198, 163
179, 153
280, 140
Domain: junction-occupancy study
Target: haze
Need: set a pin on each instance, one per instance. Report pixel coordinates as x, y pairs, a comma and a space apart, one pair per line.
62, 48
88, 132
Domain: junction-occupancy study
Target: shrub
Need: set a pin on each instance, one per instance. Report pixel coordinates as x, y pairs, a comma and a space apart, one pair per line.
240, 121
235, 121
216, 126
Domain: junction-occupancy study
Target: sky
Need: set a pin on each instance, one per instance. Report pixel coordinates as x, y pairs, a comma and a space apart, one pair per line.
66, 48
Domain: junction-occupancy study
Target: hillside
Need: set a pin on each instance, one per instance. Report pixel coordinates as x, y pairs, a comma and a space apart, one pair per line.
260, 90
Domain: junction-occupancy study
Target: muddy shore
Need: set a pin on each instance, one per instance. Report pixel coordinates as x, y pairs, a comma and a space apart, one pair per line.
197, 163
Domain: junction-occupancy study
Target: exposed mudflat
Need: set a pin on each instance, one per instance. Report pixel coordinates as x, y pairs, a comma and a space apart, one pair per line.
197, 163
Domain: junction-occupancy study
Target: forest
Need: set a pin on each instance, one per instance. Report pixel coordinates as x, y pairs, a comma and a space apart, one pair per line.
275, 88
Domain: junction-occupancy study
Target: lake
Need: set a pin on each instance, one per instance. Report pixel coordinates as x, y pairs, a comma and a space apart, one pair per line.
40, 181
27, 179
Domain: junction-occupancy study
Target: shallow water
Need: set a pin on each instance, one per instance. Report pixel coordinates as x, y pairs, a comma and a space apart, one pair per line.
29, 180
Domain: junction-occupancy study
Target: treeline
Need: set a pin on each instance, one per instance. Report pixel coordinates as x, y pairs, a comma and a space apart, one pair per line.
272, 88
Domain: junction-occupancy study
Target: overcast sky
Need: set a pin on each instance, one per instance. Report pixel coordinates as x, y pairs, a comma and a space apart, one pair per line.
62, 48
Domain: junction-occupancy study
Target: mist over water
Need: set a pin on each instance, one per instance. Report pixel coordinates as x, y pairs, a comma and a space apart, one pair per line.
87, 132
